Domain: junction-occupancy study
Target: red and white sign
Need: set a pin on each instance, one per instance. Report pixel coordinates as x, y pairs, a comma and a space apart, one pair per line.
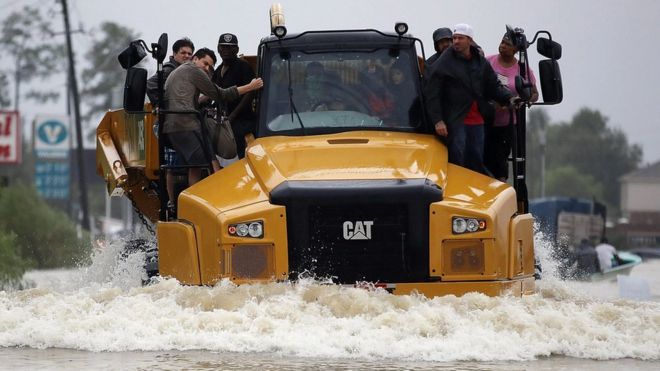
10, 138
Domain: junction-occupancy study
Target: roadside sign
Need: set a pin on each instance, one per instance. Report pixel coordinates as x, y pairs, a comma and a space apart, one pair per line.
52, 179
10, 138
51, 136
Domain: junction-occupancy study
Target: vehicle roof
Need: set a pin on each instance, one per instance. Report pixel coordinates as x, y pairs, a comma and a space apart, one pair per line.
338, 38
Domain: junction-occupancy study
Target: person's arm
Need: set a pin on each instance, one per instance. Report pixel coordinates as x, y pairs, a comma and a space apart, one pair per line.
535, 91
243, 105
433, 100
152, 88
152, 83
246, 76
494, 88
253, 85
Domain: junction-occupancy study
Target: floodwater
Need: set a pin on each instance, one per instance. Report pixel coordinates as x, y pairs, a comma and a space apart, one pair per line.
101, 318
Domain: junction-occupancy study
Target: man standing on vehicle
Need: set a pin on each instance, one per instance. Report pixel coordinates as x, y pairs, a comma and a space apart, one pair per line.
235, 72
182, 91
182, 52
441, 42
457, 98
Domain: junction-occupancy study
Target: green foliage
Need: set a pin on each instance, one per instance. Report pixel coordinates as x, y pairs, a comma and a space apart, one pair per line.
12, 266
104, 79
36, 53
45, 237
598, 154
569, 182
4, 91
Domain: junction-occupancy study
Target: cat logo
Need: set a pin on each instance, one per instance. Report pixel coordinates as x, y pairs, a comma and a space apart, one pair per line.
361, 230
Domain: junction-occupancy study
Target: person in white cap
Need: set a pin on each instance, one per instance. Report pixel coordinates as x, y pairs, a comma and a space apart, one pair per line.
461, 84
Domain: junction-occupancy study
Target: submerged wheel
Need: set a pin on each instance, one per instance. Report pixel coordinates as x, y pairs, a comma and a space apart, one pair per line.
150, 251
538, 270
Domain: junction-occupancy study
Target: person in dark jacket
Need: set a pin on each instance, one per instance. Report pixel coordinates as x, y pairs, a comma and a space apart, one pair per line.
441, 42
586, 258
235, 71
458, 92
182, 52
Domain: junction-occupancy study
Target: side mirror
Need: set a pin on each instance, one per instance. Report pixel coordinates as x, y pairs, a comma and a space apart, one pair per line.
551, 86
548, 48
162, 48
132, 55
135, 89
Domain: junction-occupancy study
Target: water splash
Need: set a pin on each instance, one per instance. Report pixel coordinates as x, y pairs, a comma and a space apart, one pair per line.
104, 308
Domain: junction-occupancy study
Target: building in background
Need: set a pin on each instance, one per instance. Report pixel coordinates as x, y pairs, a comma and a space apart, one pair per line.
640, 207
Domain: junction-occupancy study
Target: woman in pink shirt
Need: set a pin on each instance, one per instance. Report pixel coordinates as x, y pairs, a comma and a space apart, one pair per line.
498, 140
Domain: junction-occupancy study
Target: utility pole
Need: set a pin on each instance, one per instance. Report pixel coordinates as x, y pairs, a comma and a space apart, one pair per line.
76, 109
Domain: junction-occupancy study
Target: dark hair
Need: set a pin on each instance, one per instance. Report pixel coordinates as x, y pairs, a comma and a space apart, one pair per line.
181, 43
203, 52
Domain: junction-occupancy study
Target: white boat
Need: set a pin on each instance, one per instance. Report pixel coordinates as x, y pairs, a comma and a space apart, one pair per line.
628, 261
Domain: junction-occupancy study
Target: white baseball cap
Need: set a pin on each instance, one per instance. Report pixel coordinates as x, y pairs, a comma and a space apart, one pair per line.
464, 29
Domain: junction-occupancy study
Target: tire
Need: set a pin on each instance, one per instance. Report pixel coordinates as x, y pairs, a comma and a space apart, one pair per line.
538, 270
150, 251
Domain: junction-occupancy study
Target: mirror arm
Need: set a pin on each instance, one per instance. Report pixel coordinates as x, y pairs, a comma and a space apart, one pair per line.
536, 35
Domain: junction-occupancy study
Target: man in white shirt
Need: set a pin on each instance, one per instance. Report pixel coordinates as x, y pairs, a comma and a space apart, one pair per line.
606, 253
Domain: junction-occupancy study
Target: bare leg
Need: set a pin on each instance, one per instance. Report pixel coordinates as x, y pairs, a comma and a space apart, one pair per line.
216, 165
194, 175
170, 185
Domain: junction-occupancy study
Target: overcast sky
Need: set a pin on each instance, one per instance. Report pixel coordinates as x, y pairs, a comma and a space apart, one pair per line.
606, 43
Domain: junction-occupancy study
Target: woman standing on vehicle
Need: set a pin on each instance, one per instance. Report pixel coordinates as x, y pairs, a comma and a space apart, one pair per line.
498, 139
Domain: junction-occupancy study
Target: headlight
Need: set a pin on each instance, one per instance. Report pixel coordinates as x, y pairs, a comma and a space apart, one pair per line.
472, 225
248, 229
256, 230
242, 230
461, 225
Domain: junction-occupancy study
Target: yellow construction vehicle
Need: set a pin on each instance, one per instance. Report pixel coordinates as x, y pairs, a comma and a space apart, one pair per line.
336, 184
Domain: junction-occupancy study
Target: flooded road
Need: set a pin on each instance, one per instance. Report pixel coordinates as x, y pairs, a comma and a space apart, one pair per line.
101, 317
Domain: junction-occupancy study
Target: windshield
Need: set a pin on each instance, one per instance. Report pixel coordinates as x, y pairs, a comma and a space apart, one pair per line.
363, 89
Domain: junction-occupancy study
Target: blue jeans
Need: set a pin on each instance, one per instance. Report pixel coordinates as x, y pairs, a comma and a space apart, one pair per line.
466, 146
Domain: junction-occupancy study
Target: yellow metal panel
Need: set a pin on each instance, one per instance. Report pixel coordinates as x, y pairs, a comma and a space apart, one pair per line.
518, 287
274, 219
177, 252
334, 157
151, 164
440, 234
109, 164
252, 262
521, 247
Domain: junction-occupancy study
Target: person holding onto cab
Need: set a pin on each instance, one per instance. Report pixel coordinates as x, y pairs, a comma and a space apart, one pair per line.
235, 72
183, 131
498, 137
460, 86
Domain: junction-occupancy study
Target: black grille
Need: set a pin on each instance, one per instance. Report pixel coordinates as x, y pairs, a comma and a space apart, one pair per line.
385, 238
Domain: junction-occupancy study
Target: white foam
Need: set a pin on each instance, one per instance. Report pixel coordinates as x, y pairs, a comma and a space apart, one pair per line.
104, 308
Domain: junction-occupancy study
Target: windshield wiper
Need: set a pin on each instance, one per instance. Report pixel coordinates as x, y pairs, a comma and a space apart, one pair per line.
292, 105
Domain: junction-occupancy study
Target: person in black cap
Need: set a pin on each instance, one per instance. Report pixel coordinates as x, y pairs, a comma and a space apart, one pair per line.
235, 71
441, 41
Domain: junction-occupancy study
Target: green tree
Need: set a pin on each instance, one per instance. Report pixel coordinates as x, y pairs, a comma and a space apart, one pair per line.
45, 237
570, 182
35, 52
104, 78
537, 124
12, 266
4, 92
594, 149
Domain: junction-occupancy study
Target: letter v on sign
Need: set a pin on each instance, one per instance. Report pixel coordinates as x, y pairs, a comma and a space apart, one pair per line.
52, 133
